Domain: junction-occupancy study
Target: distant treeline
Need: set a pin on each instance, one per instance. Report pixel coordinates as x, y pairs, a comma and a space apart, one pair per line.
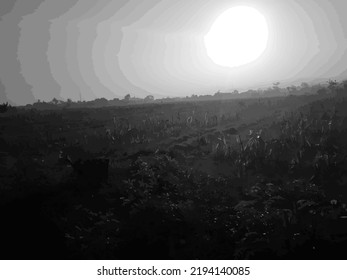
331, 87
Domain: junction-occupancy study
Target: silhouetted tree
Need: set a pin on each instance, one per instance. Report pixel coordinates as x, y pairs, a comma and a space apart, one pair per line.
217, 93
54, 101
4, 107
332, 85
291, 89
149, 98
235, 92
127, 97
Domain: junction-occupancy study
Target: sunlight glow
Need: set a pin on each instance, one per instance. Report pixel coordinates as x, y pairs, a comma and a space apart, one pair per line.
238, 36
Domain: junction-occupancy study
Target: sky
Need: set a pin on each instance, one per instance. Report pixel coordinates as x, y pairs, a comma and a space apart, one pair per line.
87, 49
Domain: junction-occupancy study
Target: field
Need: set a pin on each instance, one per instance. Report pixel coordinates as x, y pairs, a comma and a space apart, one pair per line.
262, 178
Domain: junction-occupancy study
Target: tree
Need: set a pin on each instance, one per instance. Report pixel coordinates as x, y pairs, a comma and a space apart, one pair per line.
4, 107
332, 85
291, 89
127, 97
100, 102
149, 98
54, 101
217, 93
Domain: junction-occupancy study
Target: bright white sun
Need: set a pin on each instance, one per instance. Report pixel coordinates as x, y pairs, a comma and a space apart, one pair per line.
238, 36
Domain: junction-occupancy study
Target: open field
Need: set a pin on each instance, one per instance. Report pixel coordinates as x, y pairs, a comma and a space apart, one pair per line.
232, 179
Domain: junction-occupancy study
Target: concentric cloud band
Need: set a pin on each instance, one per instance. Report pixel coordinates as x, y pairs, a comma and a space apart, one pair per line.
91, 49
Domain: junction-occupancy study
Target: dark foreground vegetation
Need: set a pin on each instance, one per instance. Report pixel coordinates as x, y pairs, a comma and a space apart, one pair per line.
239, 179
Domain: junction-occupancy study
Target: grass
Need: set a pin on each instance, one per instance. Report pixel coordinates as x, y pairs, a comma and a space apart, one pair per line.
267, 184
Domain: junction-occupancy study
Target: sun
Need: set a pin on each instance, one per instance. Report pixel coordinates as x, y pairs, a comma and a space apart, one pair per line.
238, 36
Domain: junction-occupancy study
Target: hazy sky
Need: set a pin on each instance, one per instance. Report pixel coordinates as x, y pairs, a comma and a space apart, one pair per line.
72, 48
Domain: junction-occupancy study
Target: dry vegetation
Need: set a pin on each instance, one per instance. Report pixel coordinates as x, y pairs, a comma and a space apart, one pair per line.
239, 179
